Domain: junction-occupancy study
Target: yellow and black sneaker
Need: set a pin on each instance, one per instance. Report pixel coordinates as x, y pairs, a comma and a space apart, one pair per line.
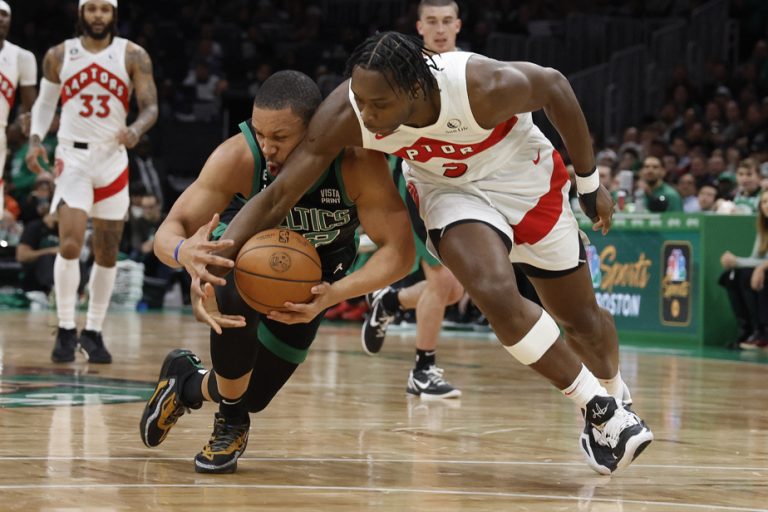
226, 445
165, 406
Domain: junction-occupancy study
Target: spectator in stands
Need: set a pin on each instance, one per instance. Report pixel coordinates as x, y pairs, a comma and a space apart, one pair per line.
204, 89
686, 186
748, 187
24, 179
659, 195
707, 197
630, 159
744, 280
670, 163
140, 230
146, 171
36, 205
37, 252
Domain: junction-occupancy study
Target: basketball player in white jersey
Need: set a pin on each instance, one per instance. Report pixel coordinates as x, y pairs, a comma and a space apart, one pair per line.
438, 25
18, 73
491, 189
93, 75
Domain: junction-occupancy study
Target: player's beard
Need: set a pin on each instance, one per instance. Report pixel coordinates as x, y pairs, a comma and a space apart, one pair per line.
109, 30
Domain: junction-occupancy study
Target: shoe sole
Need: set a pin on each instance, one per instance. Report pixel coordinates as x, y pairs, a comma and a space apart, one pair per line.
634, 448
92, 360
451, 395
65, 360
152, 411
365, 347
216, 470
585, 448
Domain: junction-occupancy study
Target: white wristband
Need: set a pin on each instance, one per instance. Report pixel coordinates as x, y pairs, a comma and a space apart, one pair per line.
587, 184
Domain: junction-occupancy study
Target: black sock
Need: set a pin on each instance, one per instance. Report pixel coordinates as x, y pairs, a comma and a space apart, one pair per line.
192, 392
390, 301
424, 359
233, 410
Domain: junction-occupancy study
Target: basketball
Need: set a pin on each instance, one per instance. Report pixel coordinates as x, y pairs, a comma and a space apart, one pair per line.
275, 266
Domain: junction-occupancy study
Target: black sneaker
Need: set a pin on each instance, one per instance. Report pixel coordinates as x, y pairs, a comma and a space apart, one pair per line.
377, 321
430, 384
226, 445
165, 406
64, 348
92, 346
616, 428
599, 457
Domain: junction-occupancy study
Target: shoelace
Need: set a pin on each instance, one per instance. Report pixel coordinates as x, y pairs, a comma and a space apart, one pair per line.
436, 375
178, 410
384, 321
225, 434
609, 435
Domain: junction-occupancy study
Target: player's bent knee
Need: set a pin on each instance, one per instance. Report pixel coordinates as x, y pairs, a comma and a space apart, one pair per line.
537, 341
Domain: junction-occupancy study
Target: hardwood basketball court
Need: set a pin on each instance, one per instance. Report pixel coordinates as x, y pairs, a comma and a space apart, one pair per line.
343, 435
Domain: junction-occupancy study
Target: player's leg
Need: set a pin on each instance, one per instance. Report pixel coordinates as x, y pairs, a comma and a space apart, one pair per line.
106, 245
589, 329
66, 279
440, 289
184, 383
532, 337
72, 200
108, 170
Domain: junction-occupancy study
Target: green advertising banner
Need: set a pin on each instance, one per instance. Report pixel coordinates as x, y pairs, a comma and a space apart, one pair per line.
657, 275
643, 278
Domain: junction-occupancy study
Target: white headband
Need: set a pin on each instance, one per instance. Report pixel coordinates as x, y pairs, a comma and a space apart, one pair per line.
4, 6
113, 3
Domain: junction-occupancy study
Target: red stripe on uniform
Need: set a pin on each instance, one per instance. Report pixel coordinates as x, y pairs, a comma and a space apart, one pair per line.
113, 188
425, 149
539, 220
7, 90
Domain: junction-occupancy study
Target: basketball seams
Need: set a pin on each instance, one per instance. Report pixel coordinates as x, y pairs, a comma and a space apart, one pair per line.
274, 278
250, 299
285, 247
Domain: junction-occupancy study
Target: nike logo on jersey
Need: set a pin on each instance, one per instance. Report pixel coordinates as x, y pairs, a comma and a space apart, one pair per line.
538, 157
379, 136
340, 266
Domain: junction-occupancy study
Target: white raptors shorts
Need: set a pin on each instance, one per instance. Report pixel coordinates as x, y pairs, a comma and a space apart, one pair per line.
528, 203
94, 180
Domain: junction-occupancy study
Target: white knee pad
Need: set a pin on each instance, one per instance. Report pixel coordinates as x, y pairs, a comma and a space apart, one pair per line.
535, 344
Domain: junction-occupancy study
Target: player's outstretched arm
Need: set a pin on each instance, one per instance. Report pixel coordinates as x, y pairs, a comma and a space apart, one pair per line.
385, 220
140, 70
183, 239
332, 128
499, 90
44, 107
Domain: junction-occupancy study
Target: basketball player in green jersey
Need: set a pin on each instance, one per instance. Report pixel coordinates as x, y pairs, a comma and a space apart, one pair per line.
254, 355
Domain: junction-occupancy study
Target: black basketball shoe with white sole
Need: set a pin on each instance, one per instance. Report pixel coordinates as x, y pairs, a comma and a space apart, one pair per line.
613, 435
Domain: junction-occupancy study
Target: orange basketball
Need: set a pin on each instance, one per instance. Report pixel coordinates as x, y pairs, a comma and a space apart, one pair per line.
275, 266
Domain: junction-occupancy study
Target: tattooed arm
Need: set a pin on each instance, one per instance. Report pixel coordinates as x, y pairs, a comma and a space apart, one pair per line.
140, 70
44, 107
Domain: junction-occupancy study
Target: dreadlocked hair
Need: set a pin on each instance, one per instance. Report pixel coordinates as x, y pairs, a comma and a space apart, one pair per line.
402, 59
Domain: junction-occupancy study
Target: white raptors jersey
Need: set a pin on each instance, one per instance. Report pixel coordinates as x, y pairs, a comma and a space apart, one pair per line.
456, 149
17, 68
95, 91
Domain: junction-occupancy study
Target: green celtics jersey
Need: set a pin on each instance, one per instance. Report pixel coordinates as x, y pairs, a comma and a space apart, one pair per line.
325, 215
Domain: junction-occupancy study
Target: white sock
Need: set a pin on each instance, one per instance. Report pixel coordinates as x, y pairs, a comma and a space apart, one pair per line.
617, 388
66, 278
584, 388
100, 286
